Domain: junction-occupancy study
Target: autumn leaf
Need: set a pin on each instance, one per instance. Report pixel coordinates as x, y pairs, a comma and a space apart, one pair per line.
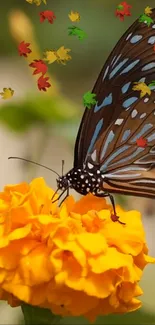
74, 16
37, 2
47, 14
146, 19
63, 55
40, 67
23, 49
143, 88
148, 11
89, 99
122, 10
43, 83
152, 84
7, 93
76, 31
50, 56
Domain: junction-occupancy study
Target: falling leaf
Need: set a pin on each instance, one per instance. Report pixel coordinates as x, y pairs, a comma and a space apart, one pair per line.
148, 11
7, 93
63, 55
152, 84
37, 2
141, 142
74, 16
146, 20
143, 88
23, 49
76, 31
40, 66
47, 14
43, 83
89, 99
50, 56
122, 10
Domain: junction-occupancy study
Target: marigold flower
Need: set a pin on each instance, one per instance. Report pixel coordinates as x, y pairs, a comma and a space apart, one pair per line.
71, 259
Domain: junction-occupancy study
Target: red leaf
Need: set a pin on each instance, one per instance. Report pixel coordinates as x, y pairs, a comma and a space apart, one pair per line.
43, 83
123, 9
23, 49
141, 142
40, 66
47, 14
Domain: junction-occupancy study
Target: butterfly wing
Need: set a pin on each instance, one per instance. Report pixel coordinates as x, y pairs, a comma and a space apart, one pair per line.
127, 150
132, 59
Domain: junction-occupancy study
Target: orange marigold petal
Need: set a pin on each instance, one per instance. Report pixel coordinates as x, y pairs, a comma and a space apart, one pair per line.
92, 243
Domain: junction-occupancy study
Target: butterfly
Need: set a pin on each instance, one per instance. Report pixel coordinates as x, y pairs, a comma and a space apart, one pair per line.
110, 155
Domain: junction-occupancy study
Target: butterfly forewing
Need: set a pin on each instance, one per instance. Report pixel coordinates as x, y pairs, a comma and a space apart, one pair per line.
133, 59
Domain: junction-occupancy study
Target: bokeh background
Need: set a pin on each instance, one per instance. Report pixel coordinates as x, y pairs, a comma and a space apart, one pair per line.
43, 127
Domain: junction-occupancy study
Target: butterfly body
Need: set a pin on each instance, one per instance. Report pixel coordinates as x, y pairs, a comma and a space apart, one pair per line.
83, 181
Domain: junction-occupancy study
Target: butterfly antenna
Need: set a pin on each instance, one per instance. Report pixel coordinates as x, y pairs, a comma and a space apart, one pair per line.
35, 163
63, 162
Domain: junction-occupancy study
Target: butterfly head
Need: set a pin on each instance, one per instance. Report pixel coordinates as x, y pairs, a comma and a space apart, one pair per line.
63, 183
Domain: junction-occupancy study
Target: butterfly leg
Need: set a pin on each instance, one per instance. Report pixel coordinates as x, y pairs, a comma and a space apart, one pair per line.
67, 194
114, 216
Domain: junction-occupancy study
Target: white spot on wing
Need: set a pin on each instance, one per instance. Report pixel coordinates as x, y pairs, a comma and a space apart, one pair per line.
128, 36
90, 166
105, 73
134, 113
143, 115
146, 100
93, 156
151, 40
119, 121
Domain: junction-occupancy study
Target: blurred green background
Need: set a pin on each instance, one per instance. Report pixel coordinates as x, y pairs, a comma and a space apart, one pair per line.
42, 126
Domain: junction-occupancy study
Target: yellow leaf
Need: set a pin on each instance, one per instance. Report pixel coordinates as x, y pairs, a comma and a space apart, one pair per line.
7, 93
143, 88
74, 16
37, 2
148, 11
63, 55
50, 56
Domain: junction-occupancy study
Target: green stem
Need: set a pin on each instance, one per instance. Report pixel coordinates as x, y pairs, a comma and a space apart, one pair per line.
39, 316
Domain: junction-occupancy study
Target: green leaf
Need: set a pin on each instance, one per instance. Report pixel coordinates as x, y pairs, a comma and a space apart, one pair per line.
120, 7
146, 19
89, 99
35, 315
76, 31
152, 83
